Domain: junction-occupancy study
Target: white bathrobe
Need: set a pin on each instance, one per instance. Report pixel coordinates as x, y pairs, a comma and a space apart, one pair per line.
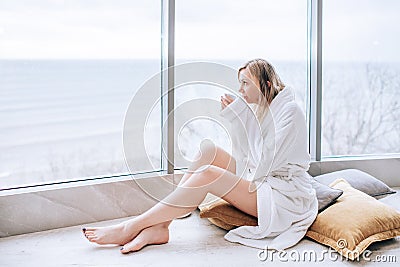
274, 155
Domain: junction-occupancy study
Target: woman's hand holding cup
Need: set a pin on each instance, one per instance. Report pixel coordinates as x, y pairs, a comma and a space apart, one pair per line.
226, 99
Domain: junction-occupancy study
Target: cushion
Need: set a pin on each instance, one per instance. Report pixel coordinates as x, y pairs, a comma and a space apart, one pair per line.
325, 194
225, 215
354, 221
221, 224
359, 180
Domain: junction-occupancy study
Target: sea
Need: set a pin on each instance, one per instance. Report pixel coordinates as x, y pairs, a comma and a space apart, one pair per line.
62, 120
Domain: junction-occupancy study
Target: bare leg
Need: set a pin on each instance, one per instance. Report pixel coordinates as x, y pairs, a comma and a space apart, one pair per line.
159, 233
186, 198
210, 153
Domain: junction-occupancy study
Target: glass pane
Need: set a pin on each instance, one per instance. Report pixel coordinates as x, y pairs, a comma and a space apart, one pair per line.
68, 70
231, 33
361, 77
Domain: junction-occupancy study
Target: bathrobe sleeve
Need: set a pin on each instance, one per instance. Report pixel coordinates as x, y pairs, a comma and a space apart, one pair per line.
239, 114
279, 131
236, 112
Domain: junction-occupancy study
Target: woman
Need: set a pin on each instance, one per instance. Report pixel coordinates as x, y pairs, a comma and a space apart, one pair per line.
268, 180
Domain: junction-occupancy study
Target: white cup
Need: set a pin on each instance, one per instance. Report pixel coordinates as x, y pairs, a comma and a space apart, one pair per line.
231, 96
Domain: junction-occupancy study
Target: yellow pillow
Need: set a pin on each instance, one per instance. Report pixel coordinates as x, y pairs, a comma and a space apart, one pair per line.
354, 222
225, 215
349, 226
221, 224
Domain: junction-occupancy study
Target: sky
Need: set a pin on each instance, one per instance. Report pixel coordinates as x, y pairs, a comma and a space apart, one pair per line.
49, 29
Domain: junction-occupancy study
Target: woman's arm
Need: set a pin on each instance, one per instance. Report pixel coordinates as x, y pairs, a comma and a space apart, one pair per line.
235, 110
279, 134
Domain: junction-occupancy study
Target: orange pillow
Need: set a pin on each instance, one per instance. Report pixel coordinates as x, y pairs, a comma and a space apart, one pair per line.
225, 215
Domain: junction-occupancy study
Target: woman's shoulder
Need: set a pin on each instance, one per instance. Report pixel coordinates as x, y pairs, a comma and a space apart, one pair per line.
292, 111
290, 99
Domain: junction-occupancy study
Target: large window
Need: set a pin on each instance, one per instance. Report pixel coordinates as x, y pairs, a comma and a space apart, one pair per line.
361, 77
231, 33
68, 70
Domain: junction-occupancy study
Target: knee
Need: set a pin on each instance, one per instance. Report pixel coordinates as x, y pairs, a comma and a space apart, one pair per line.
204, 175
208, 149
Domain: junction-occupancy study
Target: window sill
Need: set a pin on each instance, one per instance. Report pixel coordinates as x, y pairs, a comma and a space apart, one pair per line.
385, 168
34, 209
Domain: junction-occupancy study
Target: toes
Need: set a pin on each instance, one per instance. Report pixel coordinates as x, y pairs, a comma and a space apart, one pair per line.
91, 237
135, 245
90, 229
88, 233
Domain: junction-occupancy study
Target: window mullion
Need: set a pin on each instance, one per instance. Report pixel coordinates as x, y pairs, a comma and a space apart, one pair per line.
314, 77
167, 83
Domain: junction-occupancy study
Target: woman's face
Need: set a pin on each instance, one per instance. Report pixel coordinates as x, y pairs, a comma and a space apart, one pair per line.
249, 86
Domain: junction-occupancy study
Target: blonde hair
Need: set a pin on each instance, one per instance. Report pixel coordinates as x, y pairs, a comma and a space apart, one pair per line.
264, 72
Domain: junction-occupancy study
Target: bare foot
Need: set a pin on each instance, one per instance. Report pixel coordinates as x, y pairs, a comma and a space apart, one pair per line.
154, 235
184, 215
116, 234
